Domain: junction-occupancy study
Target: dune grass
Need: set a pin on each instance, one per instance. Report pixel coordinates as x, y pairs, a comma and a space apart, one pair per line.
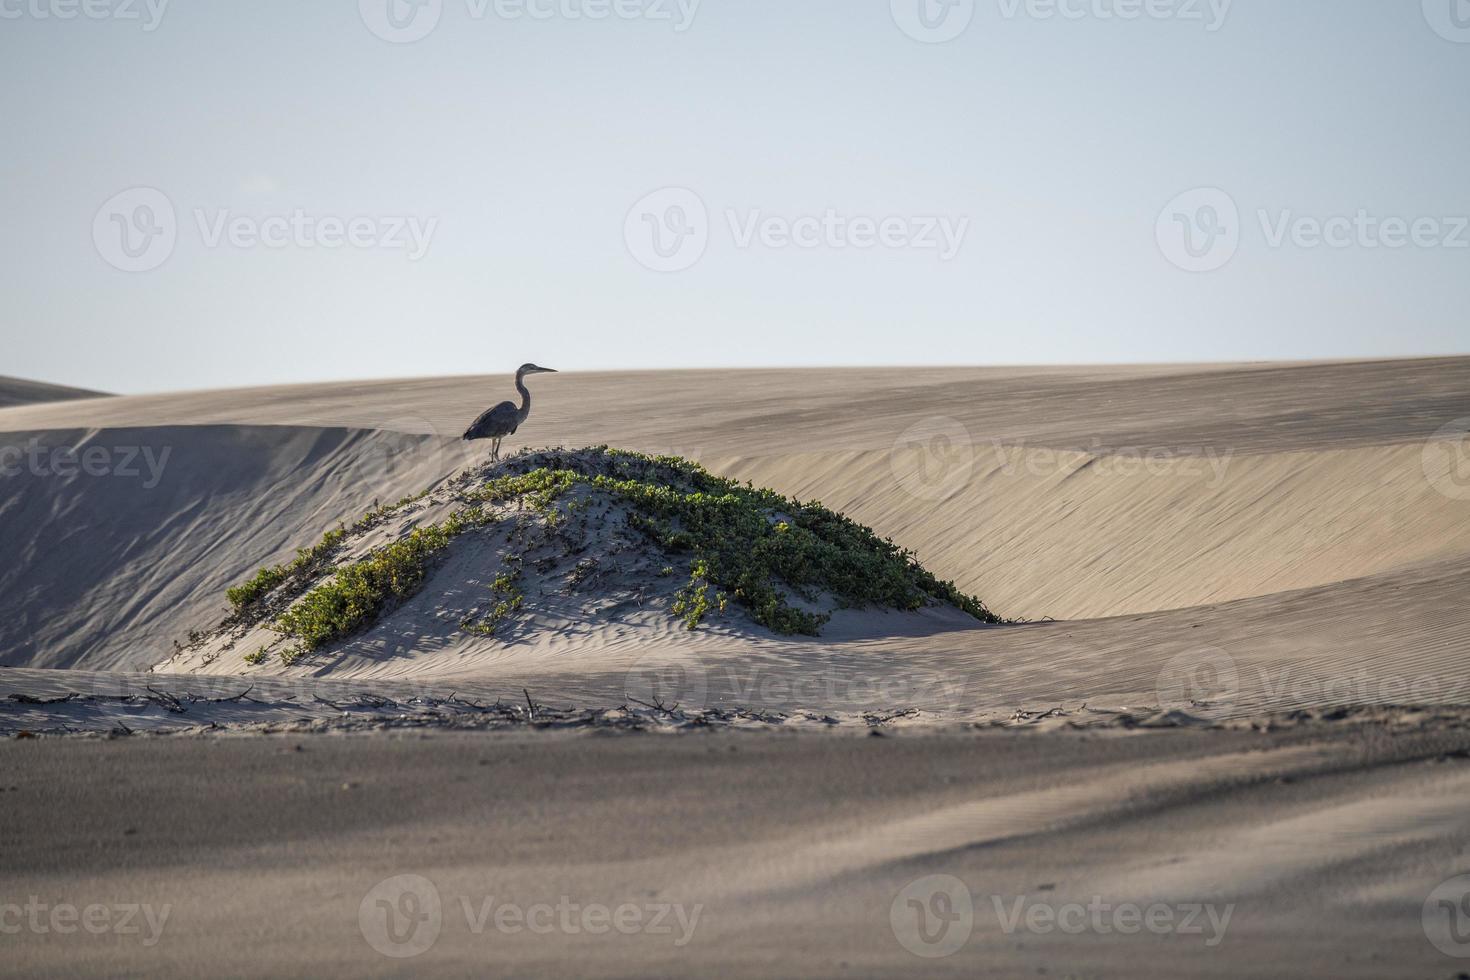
769, 554
751, 545
308, 560
506, 590
355, 596
267, 579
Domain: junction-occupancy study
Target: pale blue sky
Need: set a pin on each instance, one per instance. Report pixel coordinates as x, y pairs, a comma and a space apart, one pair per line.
522, 144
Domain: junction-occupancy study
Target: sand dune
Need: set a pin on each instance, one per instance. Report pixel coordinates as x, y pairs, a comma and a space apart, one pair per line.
1067, 493
1079, 535
1245, 408
1228, 552
17, 391
110, 569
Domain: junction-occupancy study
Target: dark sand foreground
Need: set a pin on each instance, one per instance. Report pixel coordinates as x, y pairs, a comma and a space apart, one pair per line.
1223, 854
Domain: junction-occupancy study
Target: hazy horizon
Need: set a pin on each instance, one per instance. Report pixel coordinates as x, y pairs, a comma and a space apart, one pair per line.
206, 197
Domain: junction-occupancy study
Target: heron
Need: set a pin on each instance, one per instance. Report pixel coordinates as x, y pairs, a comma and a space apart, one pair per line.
503, 420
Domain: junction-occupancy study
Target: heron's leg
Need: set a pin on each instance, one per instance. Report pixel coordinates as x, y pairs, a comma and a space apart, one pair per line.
495, 450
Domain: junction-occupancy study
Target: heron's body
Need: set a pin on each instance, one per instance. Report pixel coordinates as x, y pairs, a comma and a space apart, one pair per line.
504, 419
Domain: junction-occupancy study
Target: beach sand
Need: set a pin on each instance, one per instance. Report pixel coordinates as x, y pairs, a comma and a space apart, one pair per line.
1203, 561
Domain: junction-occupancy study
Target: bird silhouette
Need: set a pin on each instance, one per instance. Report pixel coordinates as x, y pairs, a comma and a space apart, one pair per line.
503, 420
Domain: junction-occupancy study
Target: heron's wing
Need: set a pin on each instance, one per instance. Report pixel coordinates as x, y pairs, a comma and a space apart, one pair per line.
497, 421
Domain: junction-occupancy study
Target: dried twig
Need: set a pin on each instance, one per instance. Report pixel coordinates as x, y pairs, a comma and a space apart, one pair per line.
29, 699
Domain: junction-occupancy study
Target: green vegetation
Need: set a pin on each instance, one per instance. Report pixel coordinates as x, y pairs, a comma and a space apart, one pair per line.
359, 592
266, 580
309, 561
539, 488
509, 598
755, 545
778, 558
300, 568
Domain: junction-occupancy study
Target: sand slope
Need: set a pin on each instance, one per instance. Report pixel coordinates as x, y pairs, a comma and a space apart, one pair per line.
1247, 408
1066, 493
110, 569
18, 391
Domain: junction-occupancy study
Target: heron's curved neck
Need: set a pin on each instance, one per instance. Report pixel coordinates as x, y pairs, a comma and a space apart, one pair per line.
525, 395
